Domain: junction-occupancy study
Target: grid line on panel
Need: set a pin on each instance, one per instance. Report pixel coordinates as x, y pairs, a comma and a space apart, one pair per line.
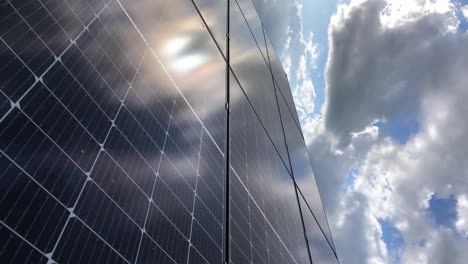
104, 142
154, 185
258, 117
22, 238
12, 63
208, 234
259, 208
23, 252
26, 46
10, 109
215, 179
250, 216
250, 29
240, 250
218, 165
105, 55
244, 218
83, 88
56, 60
82, 52
205, 24
40, 38
263, 55
52, 16
214, 195
264, 240
186, 158
11, 160
270, 174
316, 220
71, 215
50, 255
253, 109
329, 240
265, 120
169, 75
290, 111
265, 36
89, 179
195, 199
253, 199
67, 110
97, 235
152, 201
209, 211
200, 122
117, 44
163, 67
289, 159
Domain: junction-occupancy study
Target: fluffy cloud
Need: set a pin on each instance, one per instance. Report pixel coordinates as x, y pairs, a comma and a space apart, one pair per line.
465, 11
299, 55
297, 51
441, 247
387, 59
377, 61
462, 213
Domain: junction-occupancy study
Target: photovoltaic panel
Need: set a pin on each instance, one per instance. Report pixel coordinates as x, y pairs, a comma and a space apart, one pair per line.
281, 81
214, 15
320, 248
253, 22
302, 170
97, 141
264, 212
251, 69
112, 135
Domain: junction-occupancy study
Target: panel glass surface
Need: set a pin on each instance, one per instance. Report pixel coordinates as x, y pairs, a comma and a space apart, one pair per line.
106, 154
252, 71
281, 80
302, 169
320, 249
180, 41
265, 221
214, 13
254, 24
112, 133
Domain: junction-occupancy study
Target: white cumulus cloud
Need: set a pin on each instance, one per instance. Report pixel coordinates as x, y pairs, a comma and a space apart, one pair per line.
388, 59
462, 214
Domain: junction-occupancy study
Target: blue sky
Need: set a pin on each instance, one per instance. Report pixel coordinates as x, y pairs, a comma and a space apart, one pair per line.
384, 133
315, 20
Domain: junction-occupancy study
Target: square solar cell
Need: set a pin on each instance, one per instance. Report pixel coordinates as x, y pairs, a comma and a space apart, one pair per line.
17, 250
79, 244
28, 208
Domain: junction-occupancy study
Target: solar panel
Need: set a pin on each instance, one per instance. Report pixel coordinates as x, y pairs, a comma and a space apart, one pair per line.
112, 135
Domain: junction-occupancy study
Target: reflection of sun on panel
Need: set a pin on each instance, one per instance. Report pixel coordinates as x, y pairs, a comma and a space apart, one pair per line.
176, 45
186, 63
188, 51
185, 52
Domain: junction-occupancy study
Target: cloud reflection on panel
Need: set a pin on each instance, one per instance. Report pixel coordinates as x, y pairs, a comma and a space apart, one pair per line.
125, 89
262, 172
182, 44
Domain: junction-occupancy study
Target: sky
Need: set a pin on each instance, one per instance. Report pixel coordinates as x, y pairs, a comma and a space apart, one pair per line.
381, 88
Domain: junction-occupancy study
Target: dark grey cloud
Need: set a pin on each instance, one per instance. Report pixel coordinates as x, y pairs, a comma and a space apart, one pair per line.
375, 72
